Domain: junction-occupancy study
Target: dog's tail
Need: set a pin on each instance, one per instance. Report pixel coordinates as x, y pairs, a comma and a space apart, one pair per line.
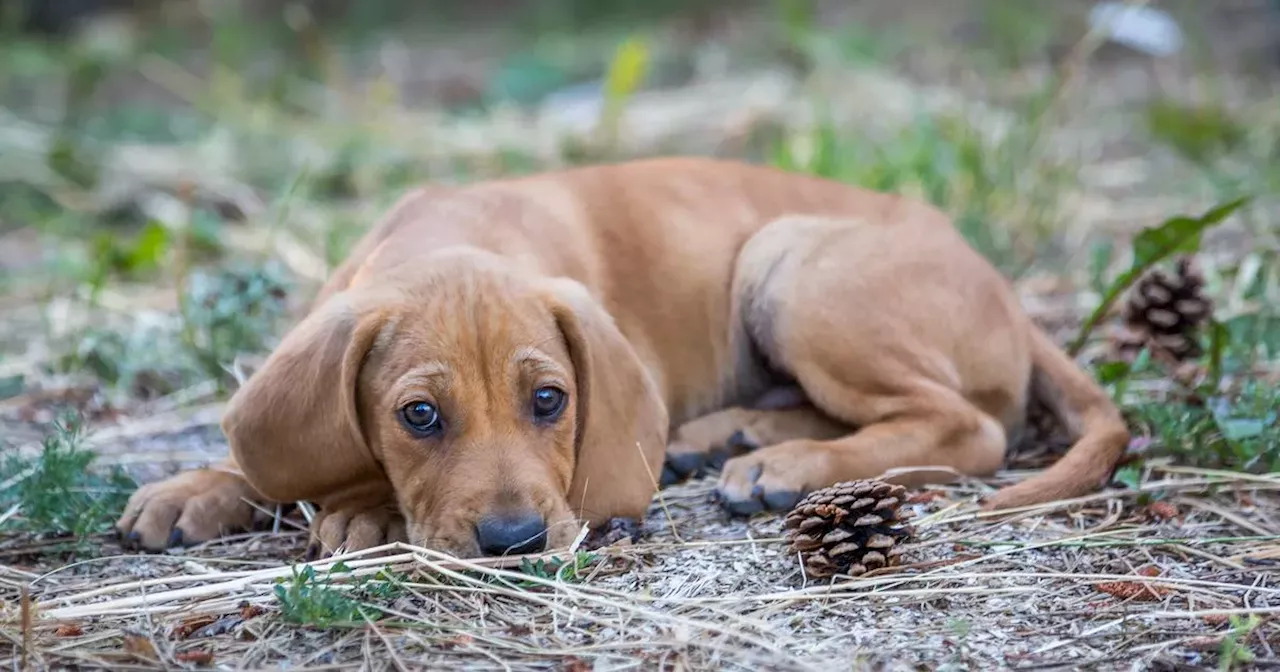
1091, 419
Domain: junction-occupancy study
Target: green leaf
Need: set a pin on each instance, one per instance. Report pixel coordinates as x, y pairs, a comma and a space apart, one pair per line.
1129, 475
1178, 235
149, 249
1239, 429
1219, 337
627, 70
1113, 372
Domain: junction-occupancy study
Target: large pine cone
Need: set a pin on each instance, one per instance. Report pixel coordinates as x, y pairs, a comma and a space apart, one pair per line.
848, 528
1164, 313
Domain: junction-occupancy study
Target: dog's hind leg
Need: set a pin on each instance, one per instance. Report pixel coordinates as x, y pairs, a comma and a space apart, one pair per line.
894, 327
920, 434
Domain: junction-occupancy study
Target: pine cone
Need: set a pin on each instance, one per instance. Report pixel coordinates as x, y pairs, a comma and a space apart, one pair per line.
1164, 313
848, 528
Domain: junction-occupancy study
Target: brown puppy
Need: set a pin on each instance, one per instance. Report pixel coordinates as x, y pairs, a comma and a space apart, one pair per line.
499, 362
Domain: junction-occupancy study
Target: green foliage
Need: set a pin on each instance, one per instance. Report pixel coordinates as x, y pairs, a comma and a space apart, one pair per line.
1002, 199
1234, 652
1234, 429
231, 311
307, 598
1177, 235
558, 568
1200, 134
1228, 418
56, 494
225, 312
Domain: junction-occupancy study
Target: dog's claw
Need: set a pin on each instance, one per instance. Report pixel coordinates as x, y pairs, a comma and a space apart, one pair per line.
175, 538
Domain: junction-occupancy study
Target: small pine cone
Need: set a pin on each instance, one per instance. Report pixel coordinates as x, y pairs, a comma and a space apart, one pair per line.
849, 528
1164, 312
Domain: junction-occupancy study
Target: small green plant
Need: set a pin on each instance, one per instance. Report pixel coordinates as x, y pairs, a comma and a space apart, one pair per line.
56, 493
1225, 430
556, 568
225, 313
307, 598
231, 311
1233, 651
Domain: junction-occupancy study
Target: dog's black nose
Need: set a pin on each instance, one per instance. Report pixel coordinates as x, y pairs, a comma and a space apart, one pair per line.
511, 534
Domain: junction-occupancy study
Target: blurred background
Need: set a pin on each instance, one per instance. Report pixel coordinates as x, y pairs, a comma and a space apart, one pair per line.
177, 176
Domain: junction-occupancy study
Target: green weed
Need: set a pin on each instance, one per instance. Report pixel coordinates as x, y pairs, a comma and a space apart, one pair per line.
1228, 418
558, 569
307, 598
55, 494
1229, 430
231, 311
1003, 201
225, 312
1233, 652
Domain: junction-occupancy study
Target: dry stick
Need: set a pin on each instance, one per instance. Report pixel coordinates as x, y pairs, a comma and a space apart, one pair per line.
26, 626
662, 502
1049, 507
581, 592
1270, 479
391, 650
280, 571
241, 580
1226, 515
583, 595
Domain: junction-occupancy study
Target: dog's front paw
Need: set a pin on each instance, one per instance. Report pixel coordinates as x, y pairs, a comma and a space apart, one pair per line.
772, 479
684, 461
189, 508
354, 530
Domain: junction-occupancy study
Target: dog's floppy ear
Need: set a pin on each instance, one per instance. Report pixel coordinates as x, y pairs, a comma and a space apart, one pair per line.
622, 421
294, 427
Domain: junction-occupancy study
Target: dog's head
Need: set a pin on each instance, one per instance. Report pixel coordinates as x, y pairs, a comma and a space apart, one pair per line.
504, 409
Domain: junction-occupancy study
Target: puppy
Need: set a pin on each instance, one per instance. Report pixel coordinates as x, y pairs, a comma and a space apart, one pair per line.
498, 363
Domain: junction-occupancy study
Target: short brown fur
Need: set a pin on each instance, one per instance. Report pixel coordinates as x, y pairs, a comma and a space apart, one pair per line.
663, 296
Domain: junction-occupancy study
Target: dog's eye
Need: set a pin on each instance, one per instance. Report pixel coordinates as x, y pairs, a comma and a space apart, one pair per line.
548, 403
421, 417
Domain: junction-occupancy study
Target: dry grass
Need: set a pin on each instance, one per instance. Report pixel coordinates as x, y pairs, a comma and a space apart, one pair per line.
1096, 581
